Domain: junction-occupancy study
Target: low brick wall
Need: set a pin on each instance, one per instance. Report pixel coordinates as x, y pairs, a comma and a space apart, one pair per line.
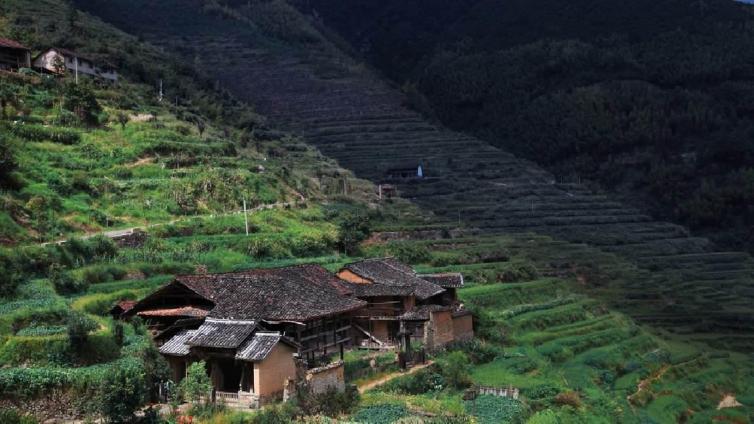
322, 379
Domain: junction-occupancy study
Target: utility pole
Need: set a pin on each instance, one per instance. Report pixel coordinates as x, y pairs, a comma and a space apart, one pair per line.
76, 66
245, 217
159, 99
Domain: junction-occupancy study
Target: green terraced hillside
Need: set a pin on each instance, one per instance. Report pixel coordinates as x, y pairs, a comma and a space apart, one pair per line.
268, 54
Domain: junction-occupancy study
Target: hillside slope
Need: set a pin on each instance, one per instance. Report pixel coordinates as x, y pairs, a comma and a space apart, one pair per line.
649, 99
302, 81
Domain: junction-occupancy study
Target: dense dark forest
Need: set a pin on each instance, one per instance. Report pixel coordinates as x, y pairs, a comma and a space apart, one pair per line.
651, 99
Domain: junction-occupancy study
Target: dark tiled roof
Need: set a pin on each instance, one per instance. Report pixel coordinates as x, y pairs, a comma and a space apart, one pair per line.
258, 347
12, 44
448, 280
177, 346
394, 277
421, 313
222, 334
297, 293
185, 311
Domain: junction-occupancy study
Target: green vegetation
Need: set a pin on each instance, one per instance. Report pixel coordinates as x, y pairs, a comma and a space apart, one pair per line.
77, 160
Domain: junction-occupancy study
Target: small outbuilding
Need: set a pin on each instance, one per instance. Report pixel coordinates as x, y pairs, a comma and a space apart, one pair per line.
61, 61
14, 55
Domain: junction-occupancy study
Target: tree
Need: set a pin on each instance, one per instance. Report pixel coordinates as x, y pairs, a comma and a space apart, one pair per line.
8, 162
80, 99
456, 369
122, 392
7, 96
353, 228
122, 120
201, 127
196, 384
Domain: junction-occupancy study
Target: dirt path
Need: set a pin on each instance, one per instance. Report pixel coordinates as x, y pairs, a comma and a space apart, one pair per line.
644, 384
384, 379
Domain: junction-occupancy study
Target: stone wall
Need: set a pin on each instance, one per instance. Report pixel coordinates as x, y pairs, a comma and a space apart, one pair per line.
323, 378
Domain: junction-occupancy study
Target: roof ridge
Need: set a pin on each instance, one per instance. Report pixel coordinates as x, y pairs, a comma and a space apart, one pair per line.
233, 321
240, 273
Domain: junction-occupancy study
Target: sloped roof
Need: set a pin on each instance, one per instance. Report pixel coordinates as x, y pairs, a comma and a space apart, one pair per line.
448, 280
12, 44
390, 277
421, 313
258, 347
185, 311
221, 334
297, 293
177, 346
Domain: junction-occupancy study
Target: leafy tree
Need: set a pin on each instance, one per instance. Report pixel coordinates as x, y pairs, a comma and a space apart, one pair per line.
64, 282
197, 383
81, 100
122, 120
456, 369
122, 392
7, 96
353, 228
8, 162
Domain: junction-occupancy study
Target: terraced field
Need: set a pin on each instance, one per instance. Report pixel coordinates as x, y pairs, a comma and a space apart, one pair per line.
619, 368
306, 84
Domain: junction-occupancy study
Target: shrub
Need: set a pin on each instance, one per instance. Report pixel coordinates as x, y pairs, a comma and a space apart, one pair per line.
409, 252
121, 394
353, 228
81, 100
330, 403
13, 416
456, 369
568, 398
8, 162
78, 327
424, 381
64, 282
478, 352
197, 383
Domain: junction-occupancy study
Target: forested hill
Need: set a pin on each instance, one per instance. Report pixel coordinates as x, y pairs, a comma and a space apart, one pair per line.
650, 99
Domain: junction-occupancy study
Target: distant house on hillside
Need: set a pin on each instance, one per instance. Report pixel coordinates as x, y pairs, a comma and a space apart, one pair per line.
61, 61
405, 173
14, 55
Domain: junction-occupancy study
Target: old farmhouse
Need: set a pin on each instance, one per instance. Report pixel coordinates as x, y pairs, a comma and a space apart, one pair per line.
13, 55
256, 329
61, 61
403, 307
